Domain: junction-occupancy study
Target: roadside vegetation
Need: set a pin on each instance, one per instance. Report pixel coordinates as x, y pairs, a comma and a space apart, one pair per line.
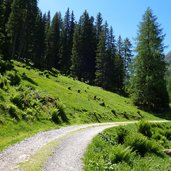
143, 146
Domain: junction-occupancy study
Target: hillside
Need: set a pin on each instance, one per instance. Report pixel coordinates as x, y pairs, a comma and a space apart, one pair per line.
32, 100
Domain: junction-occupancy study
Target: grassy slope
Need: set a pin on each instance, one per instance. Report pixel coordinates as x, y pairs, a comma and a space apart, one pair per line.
82, 104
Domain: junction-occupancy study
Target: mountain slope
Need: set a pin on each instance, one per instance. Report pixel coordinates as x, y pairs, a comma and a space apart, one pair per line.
32, 100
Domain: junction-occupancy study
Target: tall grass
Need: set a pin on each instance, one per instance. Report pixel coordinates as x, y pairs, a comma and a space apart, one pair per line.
136, 150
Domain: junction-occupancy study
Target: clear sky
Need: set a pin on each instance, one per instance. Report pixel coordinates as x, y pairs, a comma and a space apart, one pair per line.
123, 15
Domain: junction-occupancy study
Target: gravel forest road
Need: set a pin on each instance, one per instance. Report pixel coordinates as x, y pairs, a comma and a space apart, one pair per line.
68, 153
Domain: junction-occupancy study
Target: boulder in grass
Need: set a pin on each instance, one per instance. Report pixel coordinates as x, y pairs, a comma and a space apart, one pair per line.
167, 151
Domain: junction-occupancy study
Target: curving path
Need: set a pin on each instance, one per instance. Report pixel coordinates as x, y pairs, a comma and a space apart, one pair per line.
68, 154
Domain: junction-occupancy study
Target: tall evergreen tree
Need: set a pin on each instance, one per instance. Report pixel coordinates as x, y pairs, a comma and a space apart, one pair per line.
127, 46
99, 26
6, 13
109, 82
119, 66
53, 41
75, 57
85, 54
38, 44
100, 60
66, 42
20, 26
148, 83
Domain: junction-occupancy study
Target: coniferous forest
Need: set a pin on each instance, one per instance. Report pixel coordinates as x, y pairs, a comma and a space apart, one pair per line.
87, 50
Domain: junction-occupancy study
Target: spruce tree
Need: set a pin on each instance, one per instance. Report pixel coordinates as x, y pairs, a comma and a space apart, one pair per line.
119, 66
66, 42
38, 44
20, 27
109, 82
148, 83
84, 47
53, 41
75, 57
99, 26
127, 55
100, 60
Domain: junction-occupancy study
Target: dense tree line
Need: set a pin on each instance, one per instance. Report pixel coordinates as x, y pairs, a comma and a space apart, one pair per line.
87, 49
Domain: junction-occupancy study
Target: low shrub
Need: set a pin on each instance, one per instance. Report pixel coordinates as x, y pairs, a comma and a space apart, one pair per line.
145, 128
121, 134
13, 112
5, 66
55, 115
140, 144
14, 79
61, 110
122, 154
3, 82
18, 100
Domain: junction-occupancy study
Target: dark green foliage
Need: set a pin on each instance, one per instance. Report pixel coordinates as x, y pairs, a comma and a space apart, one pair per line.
5, 66
13, 112
145, 128
83, 51
142, 145
119, 66
122, 154
61, 111
52, 40
38, 43
18, 100
148, 88
66, 42
55, 116
100, 59
3, 82
20, 27
121, 134
14, 78
127, 57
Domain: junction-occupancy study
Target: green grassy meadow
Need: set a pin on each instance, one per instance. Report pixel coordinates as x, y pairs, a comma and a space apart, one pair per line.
32, 100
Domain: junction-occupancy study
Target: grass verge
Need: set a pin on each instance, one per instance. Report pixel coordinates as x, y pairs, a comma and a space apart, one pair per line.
132, 147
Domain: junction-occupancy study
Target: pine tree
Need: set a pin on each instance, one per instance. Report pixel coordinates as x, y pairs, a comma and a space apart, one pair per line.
75, 57
53, 41
20, 26
66, 42
100, 60
119, 66
148, 83
127, 47
99, 26
110, 82
6, 13
38, 44
83, 51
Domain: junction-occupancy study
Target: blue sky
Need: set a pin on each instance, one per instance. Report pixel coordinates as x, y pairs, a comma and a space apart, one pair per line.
123, 15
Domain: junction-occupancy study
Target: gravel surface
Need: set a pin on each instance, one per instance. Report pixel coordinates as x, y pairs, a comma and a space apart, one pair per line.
67, 155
